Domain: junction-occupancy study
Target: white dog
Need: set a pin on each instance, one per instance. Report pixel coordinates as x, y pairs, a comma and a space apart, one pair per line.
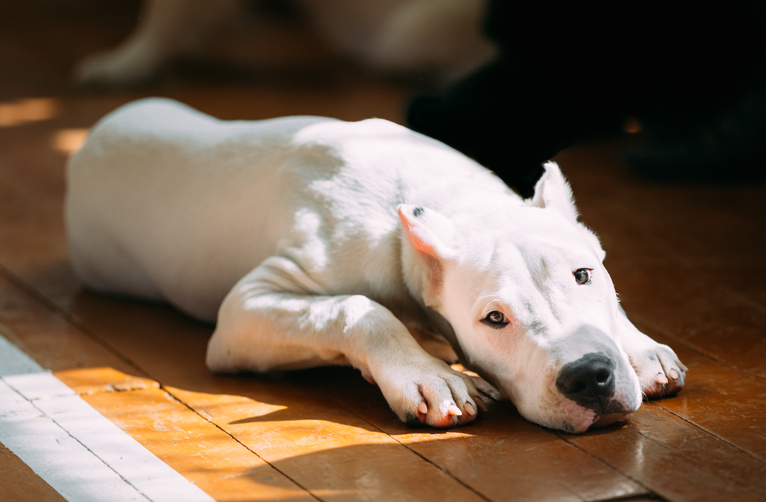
440, 36
314, 242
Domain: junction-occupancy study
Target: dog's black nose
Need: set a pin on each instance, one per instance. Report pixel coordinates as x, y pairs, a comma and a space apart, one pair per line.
588, 381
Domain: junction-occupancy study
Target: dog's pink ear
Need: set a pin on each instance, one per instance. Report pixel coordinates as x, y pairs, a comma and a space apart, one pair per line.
429, 232
430, 235
552, 191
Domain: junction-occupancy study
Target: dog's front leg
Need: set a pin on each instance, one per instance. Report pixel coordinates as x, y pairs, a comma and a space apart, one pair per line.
269, 321
659, 370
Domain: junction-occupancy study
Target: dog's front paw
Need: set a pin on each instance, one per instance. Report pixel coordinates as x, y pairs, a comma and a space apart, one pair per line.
430, 393
659, 371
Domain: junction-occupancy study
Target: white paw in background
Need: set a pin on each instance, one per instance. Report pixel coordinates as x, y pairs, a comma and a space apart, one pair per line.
123, 67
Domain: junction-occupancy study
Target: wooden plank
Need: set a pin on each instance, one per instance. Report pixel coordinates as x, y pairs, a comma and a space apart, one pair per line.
307, 397
322, 447
68, 466
722, 400
46, 423
512, 459
678, 462
502, 455
34, 326
103, 379
694, 308
138, 466
56, 344
19, 483
333, 454
194, 446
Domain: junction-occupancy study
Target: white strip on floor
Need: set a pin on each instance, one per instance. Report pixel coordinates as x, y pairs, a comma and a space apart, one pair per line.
74, 448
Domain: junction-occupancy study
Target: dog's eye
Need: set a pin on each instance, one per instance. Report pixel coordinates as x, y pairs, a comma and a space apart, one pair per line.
583, 275
495, 319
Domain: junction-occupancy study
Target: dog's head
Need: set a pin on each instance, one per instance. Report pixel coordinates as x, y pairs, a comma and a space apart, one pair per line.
532, 307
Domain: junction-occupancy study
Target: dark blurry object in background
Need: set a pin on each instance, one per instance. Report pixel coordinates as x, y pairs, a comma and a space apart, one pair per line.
439, 38
575, 71
729, 145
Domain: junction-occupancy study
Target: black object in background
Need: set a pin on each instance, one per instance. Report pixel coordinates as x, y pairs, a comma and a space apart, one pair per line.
574, 70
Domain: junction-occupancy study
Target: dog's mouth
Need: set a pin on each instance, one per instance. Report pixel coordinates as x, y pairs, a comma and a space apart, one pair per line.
584, 424
608, 419
580, 419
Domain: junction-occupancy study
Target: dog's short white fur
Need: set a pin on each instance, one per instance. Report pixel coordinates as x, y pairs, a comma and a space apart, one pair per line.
313, 241
439, 36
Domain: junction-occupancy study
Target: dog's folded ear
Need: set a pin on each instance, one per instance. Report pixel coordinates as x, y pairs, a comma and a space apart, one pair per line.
430, 235
428, 231
552, 191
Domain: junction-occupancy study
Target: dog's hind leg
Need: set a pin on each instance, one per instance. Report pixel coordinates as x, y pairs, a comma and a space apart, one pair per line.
168, 29
275, 319
436, 35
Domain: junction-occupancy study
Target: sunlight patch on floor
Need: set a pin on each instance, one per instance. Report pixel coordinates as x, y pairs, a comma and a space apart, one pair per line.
68, 141
23, 111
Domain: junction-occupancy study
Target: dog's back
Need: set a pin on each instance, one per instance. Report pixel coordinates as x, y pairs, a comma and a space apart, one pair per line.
158, 188
165, 202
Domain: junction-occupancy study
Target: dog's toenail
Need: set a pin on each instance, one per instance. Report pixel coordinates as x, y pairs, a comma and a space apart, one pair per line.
673, 374
469, 409
422, 408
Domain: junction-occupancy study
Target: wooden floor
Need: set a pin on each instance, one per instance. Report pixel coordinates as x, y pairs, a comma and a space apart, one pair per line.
688, 262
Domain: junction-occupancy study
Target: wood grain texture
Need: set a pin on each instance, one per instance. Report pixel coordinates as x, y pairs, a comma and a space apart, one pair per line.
191, 445
19, 483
